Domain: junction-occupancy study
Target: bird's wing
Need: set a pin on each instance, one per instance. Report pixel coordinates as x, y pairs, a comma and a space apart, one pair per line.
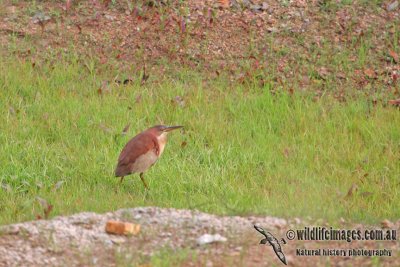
278, 249
260, 230
281, 256
137, 146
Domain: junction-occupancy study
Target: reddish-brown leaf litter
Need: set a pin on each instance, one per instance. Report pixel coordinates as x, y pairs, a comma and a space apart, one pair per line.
295, 45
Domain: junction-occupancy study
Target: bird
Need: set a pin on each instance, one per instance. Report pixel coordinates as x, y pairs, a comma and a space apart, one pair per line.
142, 151
271, 239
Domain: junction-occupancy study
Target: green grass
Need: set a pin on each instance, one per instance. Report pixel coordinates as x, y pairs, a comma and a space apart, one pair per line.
247, 152
164, 257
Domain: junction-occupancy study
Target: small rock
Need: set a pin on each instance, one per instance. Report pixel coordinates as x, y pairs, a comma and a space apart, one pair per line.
392, 6
108, 243
40, 17
122, 228
166, 234
260, 8
9, 230
208, 239
109, 17
255, 7
11, 9
246, 3
118, 240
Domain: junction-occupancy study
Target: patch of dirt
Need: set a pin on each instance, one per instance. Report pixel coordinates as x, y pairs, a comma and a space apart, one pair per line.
81, 240
291, 43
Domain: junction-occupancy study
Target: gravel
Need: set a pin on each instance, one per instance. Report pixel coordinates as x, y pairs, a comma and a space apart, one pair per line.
81, 240
42, 242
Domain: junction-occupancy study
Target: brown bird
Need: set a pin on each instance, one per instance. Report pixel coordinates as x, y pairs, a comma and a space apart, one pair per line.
142, 151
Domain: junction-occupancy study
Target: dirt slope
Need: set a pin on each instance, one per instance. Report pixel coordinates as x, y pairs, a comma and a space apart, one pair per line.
170, 236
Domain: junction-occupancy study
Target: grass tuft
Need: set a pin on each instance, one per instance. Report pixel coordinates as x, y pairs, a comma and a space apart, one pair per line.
248, 151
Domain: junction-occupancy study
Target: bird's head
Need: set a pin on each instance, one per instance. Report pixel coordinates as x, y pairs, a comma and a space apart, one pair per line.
161, 129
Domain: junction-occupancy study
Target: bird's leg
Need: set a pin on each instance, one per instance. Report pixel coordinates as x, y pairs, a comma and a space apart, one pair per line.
122, 178
144, 182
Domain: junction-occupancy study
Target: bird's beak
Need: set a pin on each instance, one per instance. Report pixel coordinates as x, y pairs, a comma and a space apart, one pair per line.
171, 128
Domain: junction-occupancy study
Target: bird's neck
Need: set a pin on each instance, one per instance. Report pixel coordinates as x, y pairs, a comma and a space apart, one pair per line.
162, 140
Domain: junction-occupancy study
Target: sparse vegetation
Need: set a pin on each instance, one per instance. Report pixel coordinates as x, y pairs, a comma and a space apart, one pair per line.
291, 109
243, 151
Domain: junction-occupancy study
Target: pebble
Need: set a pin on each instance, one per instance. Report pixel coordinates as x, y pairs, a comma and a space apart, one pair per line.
177, 228
392, 6
208, 239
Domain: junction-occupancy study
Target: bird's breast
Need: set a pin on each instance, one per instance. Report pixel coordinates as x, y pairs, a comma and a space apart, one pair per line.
162, 140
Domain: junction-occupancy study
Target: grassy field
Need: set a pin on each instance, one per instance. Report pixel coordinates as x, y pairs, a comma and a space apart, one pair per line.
243, 150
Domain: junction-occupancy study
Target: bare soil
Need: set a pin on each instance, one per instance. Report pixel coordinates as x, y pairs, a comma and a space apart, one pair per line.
296, 45
81, 240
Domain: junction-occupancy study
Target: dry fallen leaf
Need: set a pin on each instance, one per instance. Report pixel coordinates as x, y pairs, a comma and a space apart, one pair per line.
224, 3
80, 31
352, 190
394, 102
323, 73
138, 99
286, 152
68, 4
395, 76
43, 203
106, 3
105, 128
341, 75
103, 88
47, 208
58, 185
6, 187
394, 55
11, 110
126, 129
370, 73
178, 100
